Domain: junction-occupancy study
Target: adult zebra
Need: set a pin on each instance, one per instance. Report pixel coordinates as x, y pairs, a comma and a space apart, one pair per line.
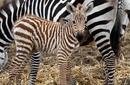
100, 24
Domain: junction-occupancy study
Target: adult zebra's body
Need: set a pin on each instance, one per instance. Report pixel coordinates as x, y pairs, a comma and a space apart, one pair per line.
100, 24
35, 35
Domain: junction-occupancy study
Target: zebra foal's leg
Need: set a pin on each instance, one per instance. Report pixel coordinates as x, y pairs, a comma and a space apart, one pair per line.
35, 61
18, 77
65, 69
16, 69
65, 73
18, 63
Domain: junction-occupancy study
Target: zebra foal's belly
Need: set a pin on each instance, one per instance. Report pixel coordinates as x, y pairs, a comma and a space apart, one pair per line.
50, 52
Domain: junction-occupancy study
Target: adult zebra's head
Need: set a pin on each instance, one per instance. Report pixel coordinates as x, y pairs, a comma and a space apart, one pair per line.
79, 17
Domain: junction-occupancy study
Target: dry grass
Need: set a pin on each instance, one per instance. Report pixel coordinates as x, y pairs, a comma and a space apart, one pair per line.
82, 75
86, 70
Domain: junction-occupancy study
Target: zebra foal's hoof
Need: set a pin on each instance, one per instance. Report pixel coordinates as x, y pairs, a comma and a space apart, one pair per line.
73, 81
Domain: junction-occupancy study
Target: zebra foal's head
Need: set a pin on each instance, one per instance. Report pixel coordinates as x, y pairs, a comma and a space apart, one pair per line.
79, 17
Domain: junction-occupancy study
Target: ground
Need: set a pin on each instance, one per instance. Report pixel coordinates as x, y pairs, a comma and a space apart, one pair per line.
86, 69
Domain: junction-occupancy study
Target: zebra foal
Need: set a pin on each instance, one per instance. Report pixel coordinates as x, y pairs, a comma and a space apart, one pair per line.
34, 35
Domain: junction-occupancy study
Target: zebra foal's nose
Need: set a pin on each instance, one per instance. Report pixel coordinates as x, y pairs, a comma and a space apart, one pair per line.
79, 36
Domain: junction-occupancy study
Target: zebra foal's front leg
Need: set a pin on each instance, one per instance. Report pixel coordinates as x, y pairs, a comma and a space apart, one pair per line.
65, 73
65, 70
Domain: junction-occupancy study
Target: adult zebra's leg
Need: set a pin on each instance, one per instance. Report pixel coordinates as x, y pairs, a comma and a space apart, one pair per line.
35, 61
109, 70
104, 46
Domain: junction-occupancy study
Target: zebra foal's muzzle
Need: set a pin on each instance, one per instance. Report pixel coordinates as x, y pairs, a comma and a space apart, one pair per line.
82, 36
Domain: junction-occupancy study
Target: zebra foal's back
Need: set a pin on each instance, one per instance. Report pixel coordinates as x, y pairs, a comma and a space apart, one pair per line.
38, 33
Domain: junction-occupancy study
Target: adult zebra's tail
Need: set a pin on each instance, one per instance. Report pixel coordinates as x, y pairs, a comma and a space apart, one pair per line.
116, 31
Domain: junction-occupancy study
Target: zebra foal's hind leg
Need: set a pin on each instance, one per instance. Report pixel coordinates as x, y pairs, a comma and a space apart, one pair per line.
17, 65
15, 72
35, 61
19, 75
64, 67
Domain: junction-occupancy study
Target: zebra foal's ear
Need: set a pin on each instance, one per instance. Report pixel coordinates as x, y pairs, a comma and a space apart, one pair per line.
70, 8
